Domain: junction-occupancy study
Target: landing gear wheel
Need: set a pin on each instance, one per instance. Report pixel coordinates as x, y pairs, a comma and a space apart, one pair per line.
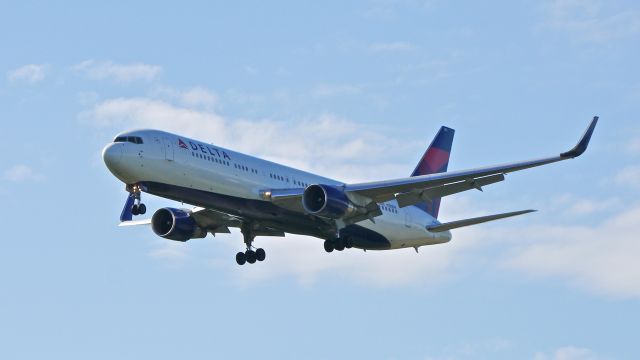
241, 258
339, 244
134, 210
260, 254
142, 208
328, 246
251, 256
347, 243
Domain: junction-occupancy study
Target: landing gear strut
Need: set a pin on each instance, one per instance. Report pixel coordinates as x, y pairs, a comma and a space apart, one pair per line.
249, 256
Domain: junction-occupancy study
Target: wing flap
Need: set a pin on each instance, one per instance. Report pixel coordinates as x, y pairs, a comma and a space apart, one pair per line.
416, 196
474, 221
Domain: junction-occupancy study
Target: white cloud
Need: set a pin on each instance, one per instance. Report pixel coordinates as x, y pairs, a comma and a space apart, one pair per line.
121, 73
31, 73
582, 206
328, 90
391, 46
592, 21
629, 176
599, 257
20, 172
568, 353
199, 96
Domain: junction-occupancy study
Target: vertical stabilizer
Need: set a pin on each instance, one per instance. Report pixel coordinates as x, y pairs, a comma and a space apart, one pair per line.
435, 160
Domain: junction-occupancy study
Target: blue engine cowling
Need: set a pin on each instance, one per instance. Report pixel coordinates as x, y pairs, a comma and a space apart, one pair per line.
326, 201
176, 224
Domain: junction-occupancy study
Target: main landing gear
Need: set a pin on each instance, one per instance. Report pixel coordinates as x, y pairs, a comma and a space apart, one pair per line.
249, 256
337, 244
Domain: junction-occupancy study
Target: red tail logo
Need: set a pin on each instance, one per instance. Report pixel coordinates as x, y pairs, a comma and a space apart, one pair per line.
182, 144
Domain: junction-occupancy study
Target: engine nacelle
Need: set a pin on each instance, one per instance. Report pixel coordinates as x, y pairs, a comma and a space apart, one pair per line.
326, 201
176, 224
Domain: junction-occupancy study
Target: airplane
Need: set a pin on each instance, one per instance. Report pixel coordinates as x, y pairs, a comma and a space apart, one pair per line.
228, 189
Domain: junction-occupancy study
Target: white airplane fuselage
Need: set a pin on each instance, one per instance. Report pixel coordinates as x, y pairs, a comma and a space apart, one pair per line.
209, 176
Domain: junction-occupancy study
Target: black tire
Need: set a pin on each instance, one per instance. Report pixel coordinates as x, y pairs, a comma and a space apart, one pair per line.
339, 245
328, 246
261, 254
241, 258
251, 256
142, 209
134, 210
348, 244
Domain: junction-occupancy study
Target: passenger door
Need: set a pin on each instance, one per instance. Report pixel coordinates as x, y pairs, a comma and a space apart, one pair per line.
168, 149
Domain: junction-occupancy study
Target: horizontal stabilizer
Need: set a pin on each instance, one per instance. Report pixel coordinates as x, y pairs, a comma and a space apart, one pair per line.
474, 221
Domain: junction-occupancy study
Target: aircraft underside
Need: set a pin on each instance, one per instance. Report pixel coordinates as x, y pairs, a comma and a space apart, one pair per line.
266, 214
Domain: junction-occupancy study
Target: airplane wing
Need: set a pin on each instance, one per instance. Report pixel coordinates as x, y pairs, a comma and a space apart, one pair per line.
442, 184
411, 190
214, 222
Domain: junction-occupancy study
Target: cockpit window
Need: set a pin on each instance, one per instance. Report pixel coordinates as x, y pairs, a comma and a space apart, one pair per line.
131, 139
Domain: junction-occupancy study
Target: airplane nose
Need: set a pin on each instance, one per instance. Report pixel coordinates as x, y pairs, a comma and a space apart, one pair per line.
112, 154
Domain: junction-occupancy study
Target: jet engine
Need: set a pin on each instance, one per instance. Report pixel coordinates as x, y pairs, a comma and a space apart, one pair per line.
176, 224
326, 201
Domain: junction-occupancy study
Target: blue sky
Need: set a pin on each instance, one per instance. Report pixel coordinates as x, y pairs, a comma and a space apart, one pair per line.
354, 92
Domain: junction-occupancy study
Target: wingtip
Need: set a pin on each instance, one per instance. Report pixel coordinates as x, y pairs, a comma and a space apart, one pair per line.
582, 145
522, 212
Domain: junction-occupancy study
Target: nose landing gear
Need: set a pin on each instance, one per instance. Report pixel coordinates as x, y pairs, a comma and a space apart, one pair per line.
138, 208
133, 206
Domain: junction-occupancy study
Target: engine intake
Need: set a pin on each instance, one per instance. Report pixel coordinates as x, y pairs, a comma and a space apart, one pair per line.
176, 224
326, 201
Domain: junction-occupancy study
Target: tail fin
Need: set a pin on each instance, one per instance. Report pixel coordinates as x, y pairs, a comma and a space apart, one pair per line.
435, 160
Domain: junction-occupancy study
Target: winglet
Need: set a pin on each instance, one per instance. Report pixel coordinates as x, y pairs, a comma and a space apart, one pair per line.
580, 148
